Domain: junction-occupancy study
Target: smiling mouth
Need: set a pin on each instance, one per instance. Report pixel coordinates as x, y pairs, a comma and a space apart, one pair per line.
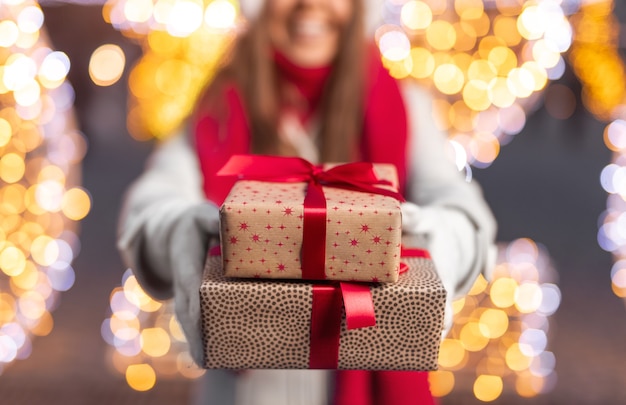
309, 29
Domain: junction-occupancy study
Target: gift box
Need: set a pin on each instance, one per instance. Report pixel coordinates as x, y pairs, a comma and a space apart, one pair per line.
350, 231
271, 324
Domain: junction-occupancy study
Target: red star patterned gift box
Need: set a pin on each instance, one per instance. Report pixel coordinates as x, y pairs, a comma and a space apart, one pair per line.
288, 219
282, 324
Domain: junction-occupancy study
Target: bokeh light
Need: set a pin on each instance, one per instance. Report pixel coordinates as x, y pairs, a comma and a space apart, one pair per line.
40, 194
142, 331
501, 329
107, 64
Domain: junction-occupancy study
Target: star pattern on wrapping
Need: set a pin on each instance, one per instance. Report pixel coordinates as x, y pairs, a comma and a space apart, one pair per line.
263, 224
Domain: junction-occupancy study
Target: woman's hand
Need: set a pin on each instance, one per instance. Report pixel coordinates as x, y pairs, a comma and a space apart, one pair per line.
188, 247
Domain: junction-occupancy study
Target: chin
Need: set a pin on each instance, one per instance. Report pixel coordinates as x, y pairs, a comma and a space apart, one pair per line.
311, 57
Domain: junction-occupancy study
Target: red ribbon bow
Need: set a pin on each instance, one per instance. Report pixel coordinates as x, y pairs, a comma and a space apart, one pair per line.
358, 176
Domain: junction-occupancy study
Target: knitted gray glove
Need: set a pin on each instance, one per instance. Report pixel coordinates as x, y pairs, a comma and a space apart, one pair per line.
189, 242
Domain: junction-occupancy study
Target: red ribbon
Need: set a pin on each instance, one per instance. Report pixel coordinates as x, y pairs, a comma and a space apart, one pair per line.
358, 176
326, 319
411, 252
326, 314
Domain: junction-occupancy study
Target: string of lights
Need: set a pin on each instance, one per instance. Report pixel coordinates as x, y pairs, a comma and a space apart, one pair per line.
40, 196
597, 62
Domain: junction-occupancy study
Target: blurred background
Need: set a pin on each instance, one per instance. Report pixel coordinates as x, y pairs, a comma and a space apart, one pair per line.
531, 92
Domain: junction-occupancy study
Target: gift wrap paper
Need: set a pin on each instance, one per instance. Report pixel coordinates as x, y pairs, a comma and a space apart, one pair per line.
265, 324
261, 233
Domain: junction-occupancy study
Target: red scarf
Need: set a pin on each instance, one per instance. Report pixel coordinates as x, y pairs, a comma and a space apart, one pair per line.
383, 140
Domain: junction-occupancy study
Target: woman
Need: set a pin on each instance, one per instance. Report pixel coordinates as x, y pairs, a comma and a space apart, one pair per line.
302, 80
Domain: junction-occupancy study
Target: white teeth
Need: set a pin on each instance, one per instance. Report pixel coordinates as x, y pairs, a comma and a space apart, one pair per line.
309, 28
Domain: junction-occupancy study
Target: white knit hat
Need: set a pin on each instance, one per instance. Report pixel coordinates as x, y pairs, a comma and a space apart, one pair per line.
374, 9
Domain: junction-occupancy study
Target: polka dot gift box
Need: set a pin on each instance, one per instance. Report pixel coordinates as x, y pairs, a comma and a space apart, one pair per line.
288, 219
282, 324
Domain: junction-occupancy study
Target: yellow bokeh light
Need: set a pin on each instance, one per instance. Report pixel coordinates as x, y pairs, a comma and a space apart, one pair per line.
7, 308
138, 10
493, 323
165, 72
28, 95
451, 353
184, 17
12, 167
220, 14
137, 296
441, 382
176, 330
44, 250
476, 95
162, 10
124, 326
500, 94
155, 342
492, 364
106, 64
54, 69
462, 60
480, 25
163, 44
488, 388
140, 377
416, 15
12, 199
479, 285
503, 59
469, 9
515, 359
462, 117
49, 195
465, 36
76, 204
482, 70
528, 297
438, 7
531, 23
448, 78
471, 338
502, 292
32, 305
44, 326
30, 135
8, 33
485, 147
423, 63
51, 172
394, 45
545, 54
506, 28
487, 44
399, 69
12, 261
525, 386
457, 305
521, 82
539, 74
441, 35
28, 278
5, 132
